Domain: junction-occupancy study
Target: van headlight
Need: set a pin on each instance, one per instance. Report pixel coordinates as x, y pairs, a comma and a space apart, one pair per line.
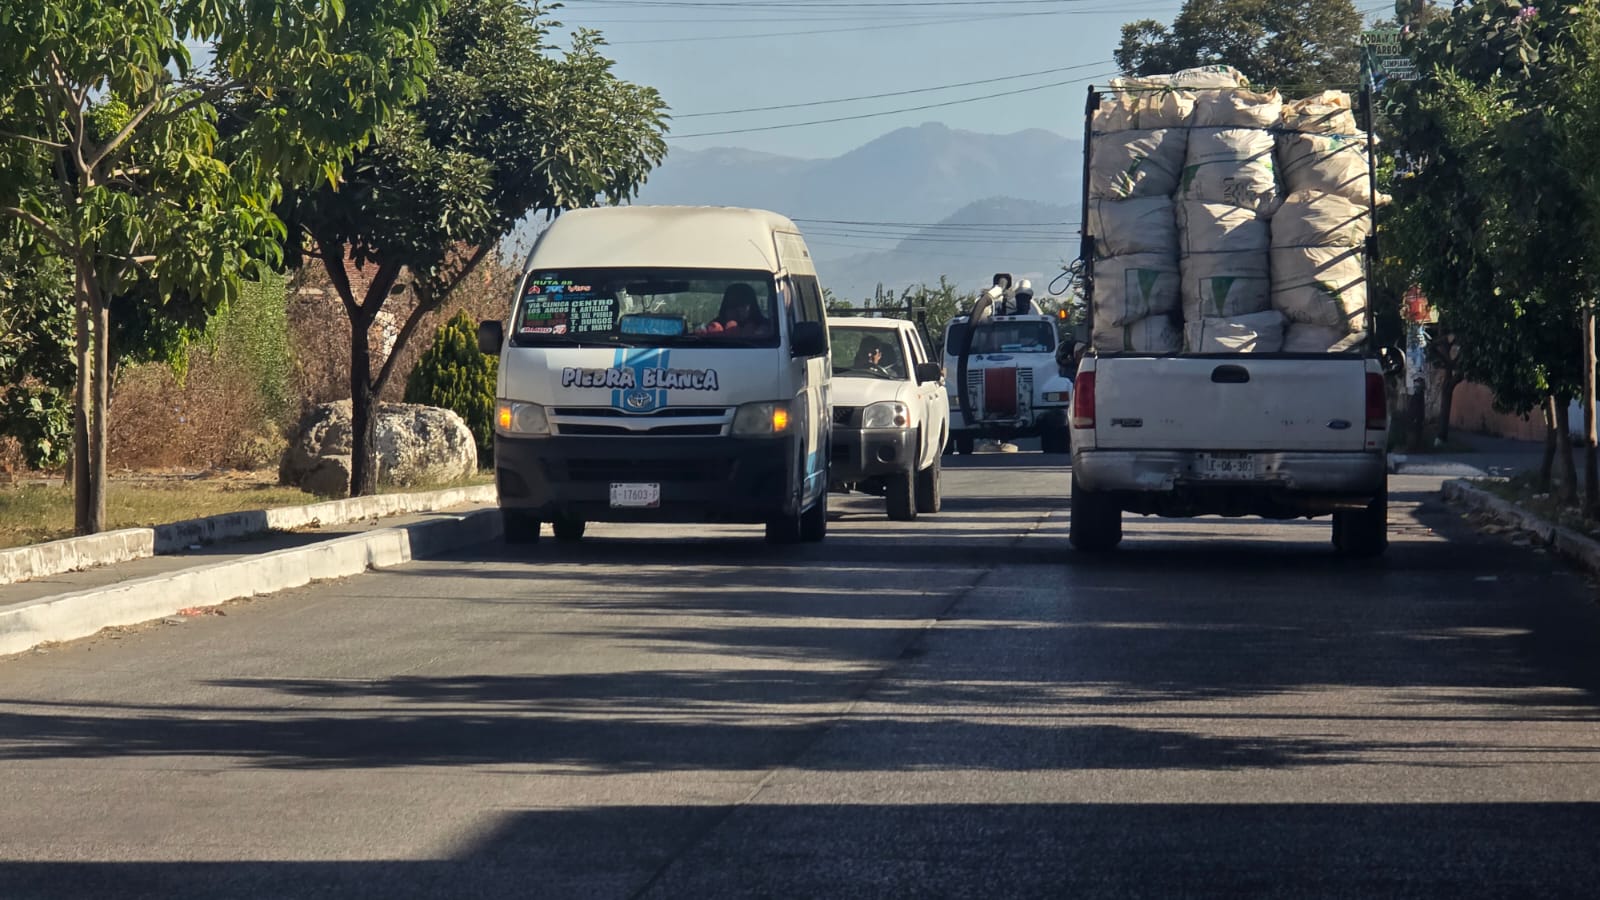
888, 414
762, 420
520, 419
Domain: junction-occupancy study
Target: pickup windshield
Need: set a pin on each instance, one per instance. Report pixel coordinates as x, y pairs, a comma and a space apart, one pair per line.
645, 307
867, 352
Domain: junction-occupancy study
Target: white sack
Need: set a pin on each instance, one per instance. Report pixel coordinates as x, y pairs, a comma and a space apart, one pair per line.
1237, 108
1139, 225
1324, 286
1221, 228
1156, 334
1225, 285
1128, 288
1165, 109
1308, 219
1326, 163
1329, 112
1258, 333
1320, 339
1115, 113
1195, 79
1231, 165
1136, 163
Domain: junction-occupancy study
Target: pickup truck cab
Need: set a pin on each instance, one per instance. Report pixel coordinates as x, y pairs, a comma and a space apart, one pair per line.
891, 417
1014, 381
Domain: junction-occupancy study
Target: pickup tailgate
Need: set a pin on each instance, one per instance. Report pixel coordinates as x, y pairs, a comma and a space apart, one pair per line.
1231, 403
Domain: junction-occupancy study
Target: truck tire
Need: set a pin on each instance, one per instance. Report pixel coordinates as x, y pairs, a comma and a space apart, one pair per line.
783, 530
814, 521
519, 527
930, 495
568, 530
963, 442
1056, 439
901, 495
1096, 524
1363, 533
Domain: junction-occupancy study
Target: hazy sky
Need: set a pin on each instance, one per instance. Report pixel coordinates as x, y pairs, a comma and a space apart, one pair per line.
707, 56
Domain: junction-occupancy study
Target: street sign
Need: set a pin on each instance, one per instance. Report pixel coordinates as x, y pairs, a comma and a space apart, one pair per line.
1418, 309
1384, 56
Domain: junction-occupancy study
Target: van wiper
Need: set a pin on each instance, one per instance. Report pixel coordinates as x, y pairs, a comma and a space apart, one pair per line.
563, 340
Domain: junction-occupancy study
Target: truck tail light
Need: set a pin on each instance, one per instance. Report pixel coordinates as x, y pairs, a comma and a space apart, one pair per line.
1377, 403
1083, 401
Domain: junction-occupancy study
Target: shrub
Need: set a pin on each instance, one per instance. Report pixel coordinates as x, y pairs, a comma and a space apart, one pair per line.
454, 374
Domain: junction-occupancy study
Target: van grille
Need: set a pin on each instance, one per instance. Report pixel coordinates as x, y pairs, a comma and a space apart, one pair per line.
708, 430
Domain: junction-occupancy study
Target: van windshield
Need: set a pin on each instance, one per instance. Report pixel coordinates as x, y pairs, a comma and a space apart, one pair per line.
640, 307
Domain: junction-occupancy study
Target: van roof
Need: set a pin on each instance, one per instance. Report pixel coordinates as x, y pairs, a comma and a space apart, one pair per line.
698, 237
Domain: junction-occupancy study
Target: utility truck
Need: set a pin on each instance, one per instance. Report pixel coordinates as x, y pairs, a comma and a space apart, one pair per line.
1230, 368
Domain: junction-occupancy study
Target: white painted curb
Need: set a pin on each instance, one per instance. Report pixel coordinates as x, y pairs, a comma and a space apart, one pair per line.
1573, 545
67, 617
109, 548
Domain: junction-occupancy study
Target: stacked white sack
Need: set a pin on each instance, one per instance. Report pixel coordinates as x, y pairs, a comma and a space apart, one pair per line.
1318, 270
1155, 334
1127, 164
1160, 101
1231, 165
1224, 261
1259, 333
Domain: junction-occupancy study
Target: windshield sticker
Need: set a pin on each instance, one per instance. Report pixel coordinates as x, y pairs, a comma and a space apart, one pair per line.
656, 325
560, 306
619, 378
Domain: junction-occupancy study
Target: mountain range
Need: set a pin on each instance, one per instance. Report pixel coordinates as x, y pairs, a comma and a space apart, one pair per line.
907, 207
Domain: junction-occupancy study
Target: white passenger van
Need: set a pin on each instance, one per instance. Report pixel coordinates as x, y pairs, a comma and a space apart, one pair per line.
664, 364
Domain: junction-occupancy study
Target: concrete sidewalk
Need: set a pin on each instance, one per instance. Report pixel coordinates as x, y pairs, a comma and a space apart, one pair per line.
71, 605
1489, 457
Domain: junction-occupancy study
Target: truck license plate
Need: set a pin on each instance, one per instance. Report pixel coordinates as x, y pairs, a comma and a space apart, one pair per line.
1235, 466
647, 496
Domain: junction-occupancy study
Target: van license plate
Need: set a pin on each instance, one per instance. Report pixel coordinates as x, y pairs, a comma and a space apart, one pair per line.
1228, 466
646, 496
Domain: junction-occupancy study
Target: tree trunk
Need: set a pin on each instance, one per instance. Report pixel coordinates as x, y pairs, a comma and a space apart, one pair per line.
1568, 472
1447, 401
102, 406
1549, 461
81, 394
363, 422
1591, 447
1417, 412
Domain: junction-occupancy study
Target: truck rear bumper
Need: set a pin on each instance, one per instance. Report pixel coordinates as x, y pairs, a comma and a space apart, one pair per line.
1289, 484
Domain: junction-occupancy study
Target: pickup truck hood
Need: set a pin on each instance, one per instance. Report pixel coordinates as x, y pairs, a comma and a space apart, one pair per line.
856, 390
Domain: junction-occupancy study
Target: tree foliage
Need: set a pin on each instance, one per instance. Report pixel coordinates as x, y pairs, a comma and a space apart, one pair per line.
36, 370
507, 127
1274, 42
454, 374
109, 150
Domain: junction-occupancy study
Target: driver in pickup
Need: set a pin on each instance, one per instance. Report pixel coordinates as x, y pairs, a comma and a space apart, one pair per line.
870, 358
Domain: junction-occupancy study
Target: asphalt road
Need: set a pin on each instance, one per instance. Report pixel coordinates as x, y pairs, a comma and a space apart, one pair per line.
955, 707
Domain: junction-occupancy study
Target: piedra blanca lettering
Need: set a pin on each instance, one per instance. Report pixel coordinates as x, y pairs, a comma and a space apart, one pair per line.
649, 379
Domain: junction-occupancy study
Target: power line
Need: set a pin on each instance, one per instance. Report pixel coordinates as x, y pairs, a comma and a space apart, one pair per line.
939, 87
945, 20
890, 112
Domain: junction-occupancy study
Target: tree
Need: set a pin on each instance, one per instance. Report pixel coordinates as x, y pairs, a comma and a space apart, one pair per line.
454, 374
35, 347
505, 130
1273, 42
163, 198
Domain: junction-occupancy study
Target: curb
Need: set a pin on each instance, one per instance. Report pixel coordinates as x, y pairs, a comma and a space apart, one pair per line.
111, 547
1569, 544
80, 614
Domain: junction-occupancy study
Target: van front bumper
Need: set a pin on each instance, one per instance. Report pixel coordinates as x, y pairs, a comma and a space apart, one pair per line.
713, 479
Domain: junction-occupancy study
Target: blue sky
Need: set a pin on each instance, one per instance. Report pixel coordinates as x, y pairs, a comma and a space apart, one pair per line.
704, 57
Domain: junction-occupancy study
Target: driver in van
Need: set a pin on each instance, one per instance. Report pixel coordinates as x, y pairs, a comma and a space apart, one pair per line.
741, 312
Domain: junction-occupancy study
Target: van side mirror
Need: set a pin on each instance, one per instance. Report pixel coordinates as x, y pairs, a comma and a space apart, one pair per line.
808, 339
929, 373
491, 337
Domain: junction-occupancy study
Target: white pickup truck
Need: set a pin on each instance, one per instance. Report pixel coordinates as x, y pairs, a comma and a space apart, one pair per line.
1218, 415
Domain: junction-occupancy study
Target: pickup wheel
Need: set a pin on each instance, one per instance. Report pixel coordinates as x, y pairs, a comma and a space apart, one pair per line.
901, 496
1096, 524
518, 527
1363, 533
963, 442
1057, 439
930, 496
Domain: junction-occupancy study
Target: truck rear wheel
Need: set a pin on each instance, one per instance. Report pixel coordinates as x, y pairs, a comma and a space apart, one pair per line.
930, 496
901, 495
1096, 524
964, 442
1363, 533
1056, 440
568, 530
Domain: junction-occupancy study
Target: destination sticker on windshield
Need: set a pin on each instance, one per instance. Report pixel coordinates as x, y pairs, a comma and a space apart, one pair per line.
649, 379
560, 306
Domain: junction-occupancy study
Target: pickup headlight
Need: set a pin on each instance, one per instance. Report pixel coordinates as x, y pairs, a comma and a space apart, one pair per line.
889, 414
761, 420
521, 419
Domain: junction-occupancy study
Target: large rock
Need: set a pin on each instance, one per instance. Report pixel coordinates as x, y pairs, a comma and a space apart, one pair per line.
416, 445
